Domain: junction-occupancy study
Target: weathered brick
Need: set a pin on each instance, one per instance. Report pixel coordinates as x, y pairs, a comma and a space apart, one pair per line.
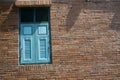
85, 42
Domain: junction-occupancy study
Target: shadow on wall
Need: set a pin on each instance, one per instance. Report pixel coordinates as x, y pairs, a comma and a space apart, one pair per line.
105, 6
73, 14
7, 16
115, 23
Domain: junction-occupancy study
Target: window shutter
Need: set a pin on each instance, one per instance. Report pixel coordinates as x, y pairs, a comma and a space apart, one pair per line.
27, 45
43, 55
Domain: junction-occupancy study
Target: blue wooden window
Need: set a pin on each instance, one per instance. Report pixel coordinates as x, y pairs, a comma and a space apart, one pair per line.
34, 36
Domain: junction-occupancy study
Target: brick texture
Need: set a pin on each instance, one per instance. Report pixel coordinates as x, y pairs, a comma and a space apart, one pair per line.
85, 40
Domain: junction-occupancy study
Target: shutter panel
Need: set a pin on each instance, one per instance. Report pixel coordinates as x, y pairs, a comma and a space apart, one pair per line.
43, 55
27, 48
27, 44
42, 49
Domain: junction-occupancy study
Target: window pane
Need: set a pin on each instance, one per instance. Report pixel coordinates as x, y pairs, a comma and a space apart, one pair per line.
27, 30
42, 30
42, 14
27, 14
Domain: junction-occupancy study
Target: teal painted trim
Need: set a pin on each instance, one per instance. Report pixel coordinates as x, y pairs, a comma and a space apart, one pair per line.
19, 35
50, 38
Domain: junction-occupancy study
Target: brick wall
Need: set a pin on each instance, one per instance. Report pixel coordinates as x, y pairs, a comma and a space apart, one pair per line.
85, 40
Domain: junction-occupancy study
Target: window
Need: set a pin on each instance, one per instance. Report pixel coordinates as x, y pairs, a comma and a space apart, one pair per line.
34, 35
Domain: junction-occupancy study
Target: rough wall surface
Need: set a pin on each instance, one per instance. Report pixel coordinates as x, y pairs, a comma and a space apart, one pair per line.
85, 38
